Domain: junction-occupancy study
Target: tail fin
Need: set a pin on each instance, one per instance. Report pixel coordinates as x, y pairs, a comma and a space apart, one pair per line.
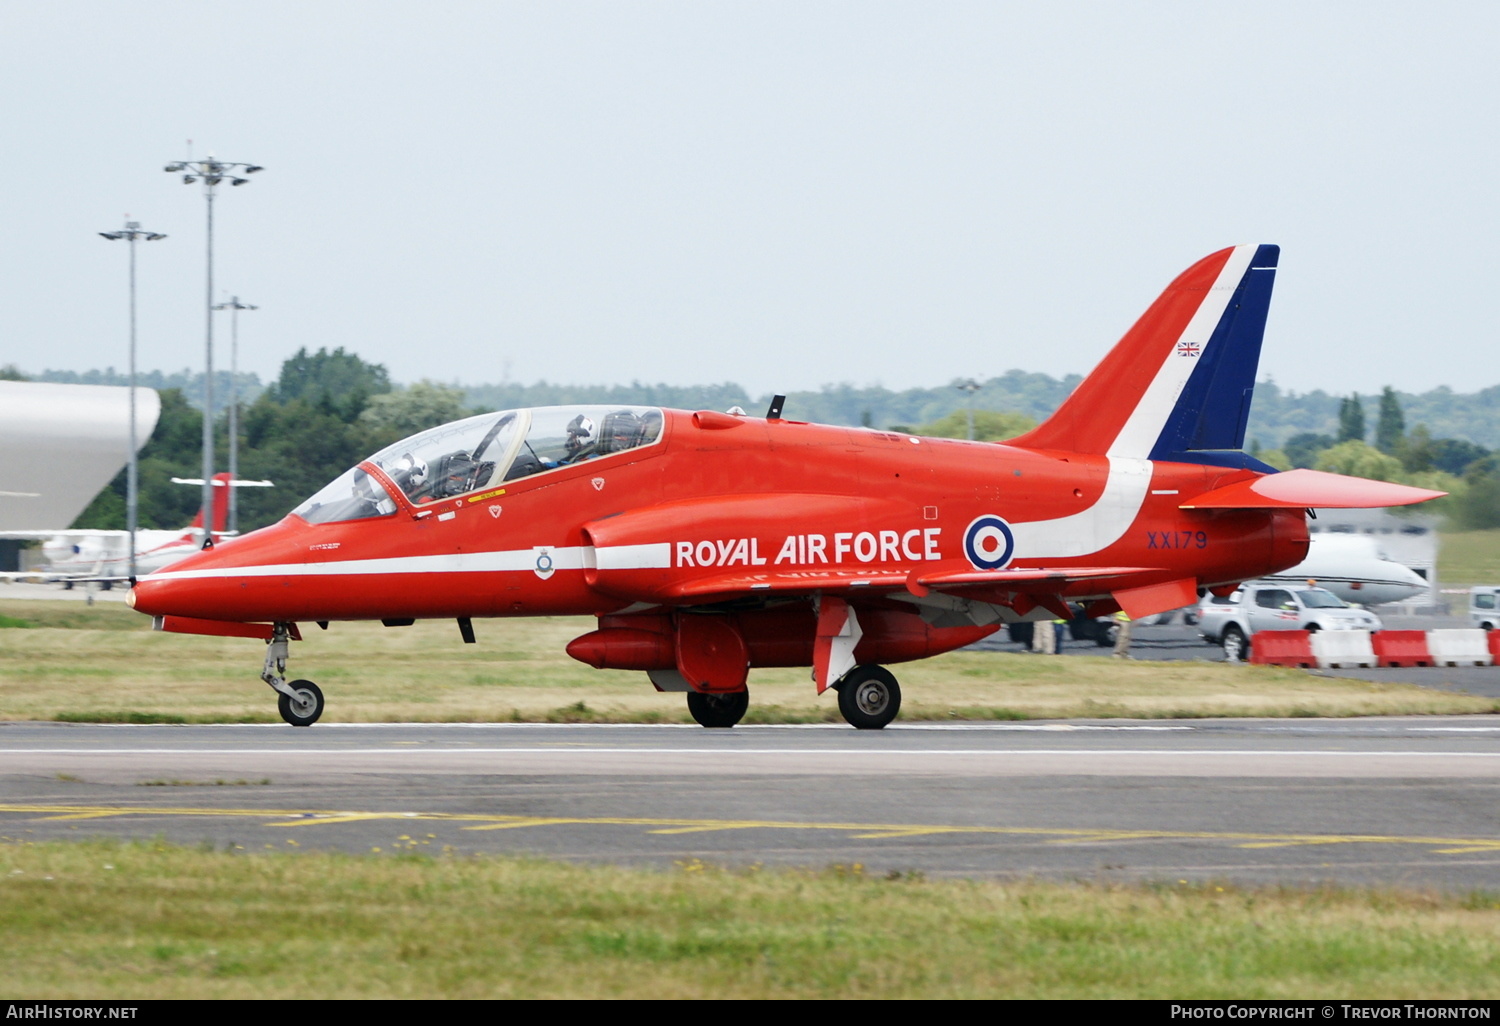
1178, 385
220, 501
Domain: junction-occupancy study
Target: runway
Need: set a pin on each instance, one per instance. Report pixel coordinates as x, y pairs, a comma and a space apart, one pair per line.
1410, 801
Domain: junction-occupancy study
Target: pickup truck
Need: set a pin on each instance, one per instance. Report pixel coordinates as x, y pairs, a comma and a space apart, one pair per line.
1234, 620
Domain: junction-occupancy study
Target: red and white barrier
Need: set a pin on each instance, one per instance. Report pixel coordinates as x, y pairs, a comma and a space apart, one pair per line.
1401, 648
1343, 649
1282, 648
1463, 647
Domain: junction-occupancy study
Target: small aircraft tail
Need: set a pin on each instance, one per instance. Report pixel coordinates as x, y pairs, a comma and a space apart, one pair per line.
1177, 387
220, 501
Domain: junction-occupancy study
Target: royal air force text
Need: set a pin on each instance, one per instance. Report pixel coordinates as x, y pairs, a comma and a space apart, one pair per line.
810, 549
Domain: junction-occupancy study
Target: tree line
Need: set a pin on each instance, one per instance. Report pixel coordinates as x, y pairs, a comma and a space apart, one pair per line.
324, 413
328, 410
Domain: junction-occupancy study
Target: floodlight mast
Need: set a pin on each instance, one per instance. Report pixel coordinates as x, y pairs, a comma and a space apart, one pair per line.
970, 386
233, 304
212, 171
132, 233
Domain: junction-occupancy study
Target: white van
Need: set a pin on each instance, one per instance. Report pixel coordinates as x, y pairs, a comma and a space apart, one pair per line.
1484, 606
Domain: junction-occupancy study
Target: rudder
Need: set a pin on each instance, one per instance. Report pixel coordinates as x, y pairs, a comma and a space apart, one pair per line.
1178, 385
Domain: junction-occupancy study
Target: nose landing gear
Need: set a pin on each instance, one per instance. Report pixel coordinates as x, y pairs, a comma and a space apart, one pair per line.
300, 702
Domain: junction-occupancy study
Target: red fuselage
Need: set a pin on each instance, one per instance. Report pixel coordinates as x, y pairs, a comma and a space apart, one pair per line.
719, 497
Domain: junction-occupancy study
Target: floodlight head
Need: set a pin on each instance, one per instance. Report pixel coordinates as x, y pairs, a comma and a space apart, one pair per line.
112, 235
250, 169
188, 179
238, 181
172, 168
153, 236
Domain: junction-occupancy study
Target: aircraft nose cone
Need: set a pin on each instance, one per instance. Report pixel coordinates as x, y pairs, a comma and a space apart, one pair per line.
209, 583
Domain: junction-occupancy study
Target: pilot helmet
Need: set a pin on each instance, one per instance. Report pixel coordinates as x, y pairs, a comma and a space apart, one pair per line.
580, 433
409, 472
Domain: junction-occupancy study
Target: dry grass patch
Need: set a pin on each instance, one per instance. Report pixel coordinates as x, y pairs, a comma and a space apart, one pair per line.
116, 669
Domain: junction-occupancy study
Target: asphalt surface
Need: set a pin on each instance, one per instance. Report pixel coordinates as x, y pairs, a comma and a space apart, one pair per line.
1409, 801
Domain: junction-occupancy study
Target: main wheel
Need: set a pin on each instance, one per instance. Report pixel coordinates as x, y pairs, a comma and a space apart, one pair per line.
304, 710
1235, 646
869, 697
718, 710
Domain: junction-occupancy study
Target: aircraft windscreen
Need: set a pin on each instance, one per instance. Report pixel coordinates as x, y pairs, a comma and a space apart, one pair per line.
1319, 598
563, 435
454, 458
486, 450
353, 495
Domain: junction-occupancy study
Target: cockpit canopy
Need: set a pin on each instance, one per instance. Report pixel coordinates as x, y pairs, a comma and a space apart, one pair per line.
481, 452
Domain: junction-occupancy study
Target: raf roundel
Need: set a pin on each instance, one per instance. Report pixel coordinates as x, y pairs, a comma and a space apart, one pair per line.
988, 542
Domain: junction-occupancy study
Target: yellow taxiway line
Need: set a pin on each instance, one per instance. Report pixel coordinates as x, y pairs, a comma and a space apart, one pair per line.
299, 818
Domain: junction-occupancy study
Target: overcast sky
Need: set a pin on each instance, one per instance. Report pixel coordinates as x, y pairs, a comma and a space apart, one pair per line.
781, 195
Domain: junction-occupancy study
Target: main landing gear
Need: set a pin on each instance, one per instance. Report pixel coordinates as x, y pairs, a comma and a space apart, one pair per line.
300, 702
724, 710
869, 697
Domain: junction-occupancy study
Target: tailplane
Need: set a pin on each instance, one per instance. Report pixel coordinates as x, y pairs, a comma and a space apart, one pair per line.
220, 500
1177, 387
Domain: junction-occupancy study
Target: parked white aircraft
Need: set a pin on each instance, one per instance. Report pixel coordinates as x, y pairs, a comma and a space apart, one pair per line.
104, 556
1353, 568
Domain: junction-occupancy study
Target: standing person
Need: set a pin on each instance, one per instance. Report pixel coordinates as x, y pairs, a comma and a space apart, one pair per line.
1059, 634
1122, 636
1044, 638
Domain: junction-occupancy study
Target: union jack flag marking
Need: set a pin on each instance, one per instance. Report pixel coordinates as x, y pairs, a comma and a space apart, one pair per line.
1189, 349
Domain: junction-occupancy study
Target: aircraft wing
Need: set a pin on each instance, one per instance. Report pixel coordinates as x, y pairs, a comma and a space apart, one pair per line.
1043, 587
794, 581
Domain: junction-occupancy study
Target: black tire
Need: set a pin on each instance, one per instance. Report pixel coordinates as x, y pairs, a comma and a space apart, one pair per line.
1021, 633
869, 697
304, 712
1107, 635
718, 710
1234, 643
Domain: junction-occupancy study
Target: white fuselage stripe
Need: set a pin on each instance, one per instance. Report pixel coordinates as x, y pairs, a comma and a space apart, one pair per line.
1096, 528
569, 557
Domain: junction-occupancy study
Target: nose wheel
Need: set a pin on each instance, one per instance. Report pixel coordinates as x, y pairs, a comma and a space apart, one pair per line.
303, 706
299, 702
869, 697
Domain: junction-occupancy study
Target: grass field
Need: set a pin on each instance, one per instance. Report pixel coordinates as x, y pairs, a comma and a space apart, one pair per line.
127, 921
1467, 558
68, 661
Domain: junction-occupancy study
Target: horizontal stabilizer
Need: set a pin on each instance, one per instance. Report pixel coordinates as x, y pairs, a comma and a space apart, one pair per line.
1310, 489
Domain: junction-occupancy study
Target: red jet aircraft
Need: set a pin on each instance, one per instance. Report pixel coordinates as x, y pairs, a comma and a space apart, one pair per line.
708, 543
